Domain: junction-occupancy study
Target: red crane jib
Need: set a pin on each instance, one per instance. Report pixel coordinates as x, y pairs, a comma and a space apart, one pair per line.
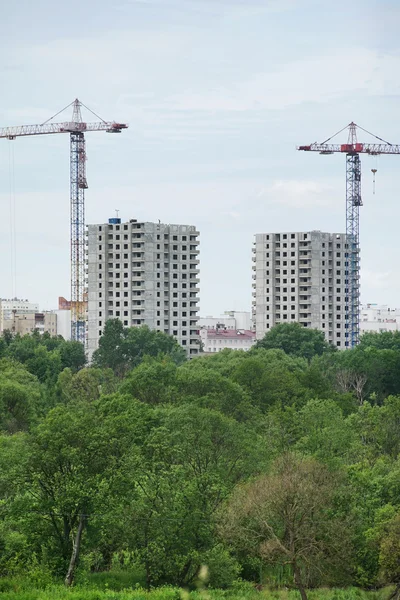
346, 148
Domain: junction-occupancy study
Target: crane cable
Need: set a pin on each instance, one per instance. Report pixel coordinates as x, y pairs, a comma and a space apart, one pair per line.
13, 220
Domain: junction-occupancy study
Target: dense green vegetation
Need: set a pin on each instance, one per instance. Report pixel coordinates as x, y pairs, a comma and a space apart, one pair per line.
278, 466
169, 593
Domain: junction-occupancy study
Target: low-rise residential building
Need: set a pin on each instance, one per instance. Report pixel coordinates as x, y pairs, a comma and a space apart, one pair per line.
15, 306
29, 322
376, 318
215, 340
231, 319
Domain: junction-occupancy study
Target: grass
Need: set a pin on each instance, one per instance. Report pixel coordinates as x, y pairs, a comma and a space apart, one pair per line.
19, 590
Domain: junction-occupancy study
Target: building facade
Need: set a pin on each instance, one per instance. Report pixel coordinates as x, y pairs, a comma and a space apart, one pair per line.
302, 277
15, 306
63, 323
26, 323
215, 340
143, 274
376, 318
231, 319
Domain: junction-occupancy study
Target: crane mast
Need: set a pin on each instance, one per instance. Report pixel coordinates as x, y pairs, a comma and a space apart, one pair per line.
78, 183
352, 150
353, 203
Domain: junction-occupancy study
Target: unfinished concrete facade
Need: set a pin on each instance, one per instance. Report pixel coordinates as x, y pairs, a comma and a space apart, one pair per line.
143, 274
302, 277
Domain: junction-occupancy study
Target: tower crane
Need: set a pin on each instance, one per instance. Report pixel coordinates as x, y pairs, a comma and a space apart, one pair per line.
78, 183
352, 150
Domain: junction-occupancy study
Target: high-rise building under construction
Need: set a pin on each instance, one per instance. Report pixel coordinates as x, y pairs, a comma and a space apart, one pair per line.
143, 274
302, 277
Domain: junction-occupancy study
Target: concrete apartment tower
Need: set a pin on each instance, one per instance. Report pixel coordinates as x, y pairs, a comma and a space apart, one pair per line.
143, 274
302, 277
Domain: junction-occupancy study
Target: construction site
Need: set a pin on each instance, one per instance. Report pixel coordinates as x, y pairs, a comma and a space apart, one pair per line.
315, 290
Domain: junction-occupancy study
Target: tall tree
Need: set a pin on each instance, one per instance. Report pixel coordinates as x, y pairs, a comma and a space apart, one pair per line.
190, 464
389, 555
76, 466
286, 518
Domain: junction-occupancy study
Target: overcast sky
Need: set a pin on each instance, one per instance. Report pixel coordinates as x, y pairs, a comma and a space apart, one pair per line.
217, 94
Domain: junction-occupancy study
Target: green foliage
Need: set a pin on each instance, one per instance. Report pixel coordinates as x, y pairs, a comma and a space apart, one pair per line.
43, 356
145, 448
386, 340
23, 590
19, 397
87, 384
296, 340
287, 517
122, 348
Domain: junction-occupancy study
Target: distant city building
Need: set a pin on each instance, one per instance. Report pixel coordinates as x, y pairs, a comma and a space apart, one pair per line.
376, 318
63, 304
231, 319
302, 277
215, 340
63, 322
144, 274
64, 317
15, 306
27, 323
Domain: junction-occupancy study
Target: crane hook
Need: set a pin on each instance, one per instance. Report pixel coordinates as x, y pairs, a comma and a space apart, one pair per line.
374, 173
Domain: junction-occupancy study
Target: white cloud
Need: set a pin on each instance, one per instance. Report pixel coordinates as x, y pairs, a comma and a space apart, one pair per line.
299, 194
317, 79
235, 7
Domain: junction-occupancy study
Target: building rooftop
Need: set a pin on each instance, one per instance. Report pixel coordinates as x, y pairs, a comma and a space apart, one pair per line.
227, 334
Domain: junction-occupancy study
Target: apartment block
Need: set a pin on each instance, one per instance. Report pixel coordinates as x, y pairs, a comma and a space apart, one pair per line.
15, 306
143, 274
375, 318
26, 323
302, 277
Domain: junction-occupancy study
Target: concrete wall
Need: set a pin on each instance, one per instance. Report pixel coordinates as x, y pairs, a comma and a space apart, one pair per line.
301, 277
144, 274
64, 323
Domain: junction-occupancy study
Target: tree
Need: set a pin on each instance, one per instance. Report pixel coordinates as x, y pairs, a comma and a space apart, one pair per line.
72, 355
19, 397
151, 381
365, 371
385, 340
389, 555
190, 463
271, 377
87, 384
324, 433
286, 518
295, 339
122, 349
77, 467
110, 353
45, 356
